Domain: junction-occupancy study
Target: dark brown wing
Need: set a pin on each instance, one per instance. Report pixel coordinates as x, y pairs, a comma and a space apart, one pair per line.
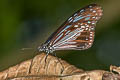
78, 31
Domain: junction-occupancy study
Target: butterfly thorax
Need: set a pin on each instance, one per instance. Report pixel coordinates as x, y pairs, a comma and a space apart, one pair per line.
46, 48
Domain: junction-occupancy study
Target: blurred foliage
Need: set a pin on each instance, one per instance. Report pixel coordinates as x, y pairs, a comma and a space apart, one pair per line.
28, 23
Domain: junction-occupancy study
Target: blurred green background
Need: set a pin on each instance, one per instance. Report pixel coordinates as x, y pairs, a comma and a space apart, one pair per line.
28, 23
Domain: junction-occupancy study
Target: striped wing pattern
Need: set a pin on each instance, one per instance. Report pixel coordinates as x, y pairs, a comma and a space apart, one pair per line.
78, 31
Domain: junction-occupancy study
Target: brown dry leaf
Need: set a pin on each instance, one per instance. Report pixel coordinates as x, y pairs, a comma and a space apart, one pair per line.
52, 69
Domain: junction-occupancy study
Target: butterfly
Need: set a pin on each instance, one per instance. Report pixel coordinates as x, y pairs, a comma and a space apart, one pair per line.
76, 33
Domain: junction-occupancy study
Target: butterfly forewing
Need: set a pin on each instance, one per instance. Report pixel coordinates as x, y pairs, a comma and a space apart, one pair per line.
78, 31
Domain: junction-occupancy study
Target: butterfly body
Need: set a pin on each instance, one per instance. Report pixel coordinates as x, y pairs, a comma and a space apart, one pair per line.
46, 48
76, 33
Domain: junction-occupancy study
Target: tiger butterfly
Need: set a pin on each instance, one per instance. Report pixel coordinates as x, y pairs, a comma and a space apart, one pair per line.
76, 33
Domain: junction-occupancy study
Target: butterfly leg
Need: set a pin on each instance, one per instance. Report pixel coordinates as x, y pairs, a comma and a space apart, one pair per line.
46, 59
59, 62
30, 66
31, 63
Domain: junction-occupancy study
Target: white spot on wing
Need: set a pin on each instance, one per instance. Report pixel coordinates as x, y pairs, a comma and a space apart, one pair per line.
91, 40
82, 10
76, 26
75, 14
93, 17
91, 9
87, 25
82, 26
94, 11
90, 6
90, 43
69, 18
86, 38
91, 34
86, 29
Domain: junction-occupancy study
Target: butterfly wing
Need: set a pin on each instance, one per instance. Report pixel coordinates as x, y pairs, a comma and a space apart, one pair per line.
78, 31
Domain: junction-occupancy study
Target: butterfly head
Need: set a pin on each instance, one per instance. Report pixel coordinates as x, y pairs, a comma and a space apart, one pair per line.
46, 48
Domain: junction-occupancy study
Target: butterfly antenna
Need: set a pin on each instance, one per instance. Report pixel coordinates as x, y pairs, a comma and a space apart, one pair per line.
26, 48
